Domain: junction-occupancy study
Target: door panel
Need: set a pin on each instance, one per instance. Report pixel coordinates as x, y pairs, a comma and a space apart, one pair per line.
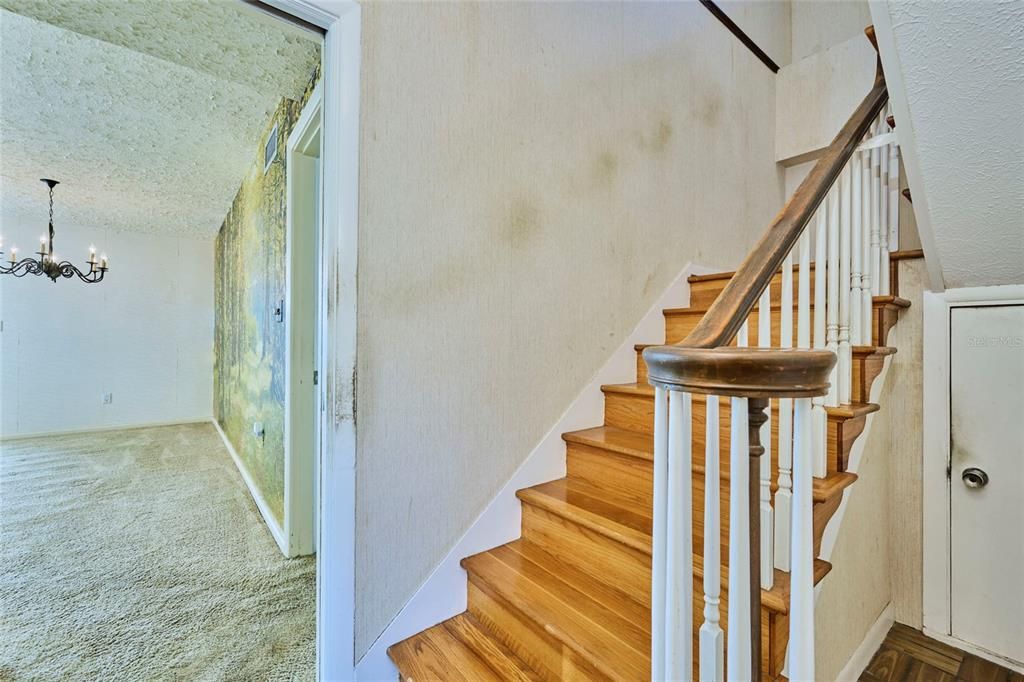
987, 439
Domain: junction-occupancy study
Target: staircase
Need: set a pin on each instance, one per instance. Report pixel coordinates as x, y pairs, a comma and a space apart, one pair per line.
571, 598
672, 505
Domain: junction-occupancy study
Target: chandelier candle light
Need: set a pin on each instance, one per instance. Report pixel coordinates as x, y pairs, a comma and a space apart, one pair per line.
50, 264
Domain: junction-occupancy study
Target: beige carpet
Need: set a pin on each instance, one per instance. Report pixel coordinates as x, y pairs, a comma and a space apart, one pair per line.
139, 555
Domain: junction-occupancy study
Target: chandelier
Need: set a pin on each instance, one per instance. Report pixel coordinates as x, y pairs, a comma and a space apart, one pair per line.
49, 263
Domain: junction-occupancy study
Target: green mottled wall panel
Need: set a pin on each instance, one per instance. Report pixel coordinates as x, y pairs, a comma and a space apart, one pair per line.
249, 365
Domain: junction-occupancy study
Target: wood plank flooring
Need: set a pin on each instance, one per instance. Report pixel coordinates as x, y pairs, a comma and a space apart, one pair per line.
907, 654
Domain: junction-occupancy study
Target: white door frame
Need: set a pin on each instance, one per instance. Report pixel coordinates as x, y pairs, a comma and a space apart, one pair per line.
335, 558
302, 312
936, 455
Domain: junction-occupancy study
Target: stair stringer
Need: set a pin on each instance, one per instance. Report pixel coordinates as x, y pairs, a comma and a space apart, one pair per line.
444, 594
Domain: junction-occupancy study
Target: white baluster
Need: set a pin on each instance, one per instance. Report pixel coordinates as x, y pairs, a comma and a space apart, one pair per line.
820, 416
883, 234
764, 340
679, 534
875, 215
856, 252
801, 609
712, 639
894, 199
865, 247
803, 324
743, 335
845, 351
658, 536
832, 307
783, 493
739, 651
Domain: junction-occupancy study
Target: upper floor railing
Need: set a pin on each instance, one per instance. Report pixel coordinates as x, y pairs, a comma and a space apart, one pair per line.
850, 200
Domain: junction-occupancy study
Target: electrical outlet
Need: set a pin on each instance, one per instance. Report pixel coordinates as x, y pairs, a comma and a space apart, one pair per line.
108, 398
257, 429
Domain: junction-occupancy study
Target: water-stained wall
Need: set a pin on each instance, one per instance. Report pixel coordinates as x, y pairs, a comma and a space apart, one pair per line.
249, 342
532, 176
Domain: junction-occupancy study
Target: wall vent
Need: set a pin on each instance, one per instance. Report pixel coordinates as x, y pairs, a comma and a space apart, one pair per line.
270, 150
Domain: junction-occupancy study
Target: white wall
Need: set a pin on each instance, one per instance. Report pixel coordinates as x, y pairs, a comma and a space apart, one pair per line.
144, 334
532, 177
819, 24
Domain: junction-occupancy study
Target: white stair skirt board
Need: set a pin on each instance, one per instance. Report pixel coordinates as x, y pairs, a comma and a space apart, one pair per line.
275, 528
443, 594
865, 651
109, 427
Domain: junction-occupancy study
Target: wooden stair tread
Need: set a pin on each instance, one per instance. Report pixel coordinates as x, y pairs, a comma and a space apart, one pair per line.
646, 390
596, 631
727, 275
641, 446
877, 302
892, 300
622, 441
475, 636
907, 254
437, 654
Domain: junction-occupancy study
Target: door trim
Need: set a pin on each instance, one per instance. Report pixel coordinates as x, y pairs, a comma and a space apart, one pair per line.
936, 491
302, 313
335, 556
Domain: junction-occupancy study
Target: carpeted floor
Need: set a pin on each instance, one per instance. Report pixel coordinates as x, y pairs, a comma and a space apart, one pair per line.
139, 555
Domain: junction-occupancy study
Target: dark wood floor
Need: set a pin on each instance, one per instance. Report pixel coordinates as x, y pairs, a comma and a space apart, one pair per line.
907, 654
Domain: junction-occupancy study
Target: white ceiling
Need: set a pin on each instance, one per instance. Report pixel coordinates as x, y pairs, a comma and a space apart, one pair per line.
149, 112
961, 65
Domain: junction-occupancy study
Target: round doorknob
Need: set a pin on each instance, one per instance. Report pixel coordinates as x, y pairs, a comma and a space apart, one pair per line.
974, 477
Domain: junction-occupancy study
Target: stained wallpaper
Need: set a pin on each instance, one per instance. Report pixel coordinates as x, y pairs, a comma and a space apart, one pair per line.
249, 343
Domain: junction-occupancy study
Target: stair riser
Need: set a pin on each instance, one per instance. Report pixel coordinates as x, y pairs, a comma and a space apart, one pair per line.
621, 474
679, 324
527, 639
597, 555
636, 413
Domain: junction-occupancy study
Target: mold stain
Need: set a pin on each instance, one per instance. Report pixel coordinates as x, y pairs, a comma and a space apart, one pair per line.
710, 111
606, 168
522, 224
657, 142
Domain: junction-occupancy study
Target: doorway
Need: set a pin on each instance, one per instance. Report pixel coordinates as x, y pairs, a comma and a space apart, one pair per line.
303, 312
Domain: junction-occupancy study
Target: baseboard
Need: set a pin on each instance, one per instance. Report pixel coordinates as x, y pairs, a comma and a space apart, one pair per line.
443, 594
100, 429
861, 656
275, 528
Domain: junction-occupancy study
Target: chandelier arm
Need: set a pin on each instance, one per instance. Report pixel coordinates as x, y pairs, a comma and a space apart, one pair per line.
26, 266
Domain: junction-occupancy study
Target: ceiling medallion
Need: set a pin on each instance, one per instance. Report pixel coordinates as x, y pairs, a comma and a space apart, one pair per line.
50, 264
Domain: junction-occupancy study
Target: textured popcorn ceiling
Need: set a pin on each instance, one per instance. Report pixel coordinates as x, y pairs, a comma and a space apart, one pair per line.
139, 142
222, 38
963, 70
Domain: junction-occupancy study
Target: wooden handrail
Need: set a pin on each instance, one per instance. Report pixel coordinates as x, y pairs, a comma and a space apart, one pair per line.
726, 315
704, 363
